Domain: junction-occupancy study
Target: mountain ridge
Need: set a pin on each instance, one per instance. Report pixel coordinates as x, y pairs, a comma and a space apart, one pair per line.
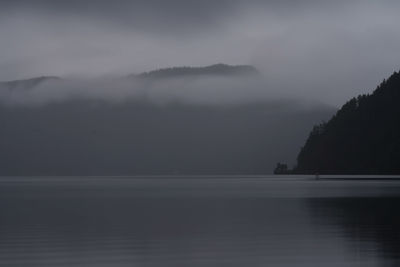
27, 83
362, 138
219, 69
212, 70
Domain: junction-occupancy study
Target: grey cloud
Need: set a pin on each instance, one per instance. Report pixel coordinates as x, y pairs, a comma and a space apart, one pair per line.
158, 16
331, 50
168, 16
206, 90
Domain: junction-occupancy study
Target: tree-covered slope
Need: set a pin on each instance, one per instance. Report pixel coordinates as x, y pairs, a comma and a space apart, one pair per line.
362, 138
213, 70
26, 84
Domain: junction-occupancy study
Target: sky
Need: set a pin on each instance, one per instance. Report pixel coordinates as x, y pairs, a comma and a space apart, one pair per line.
330, 50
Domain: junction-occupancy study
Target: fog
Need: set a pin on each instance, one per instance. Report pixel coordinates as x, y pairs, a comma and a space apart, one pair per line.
98, 118
329, 50
205, 124
202, 90
100, 138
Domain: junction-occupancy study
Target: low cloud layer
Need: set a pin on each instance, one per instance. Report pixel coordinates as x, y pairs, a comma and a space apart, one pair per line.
205, 90
331, 50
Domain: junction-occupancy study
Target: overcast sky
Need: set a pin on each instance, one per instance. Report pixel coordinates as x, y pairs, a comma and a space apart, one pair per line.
333, 49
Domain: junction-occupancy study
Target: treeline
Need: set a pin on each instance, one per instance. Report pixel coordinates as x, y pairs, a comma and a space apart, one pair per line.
362, 138
213, 70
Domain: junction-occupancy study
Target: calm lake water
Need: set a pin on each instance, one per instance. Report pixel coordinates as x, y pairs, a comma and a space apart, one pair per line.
198, 221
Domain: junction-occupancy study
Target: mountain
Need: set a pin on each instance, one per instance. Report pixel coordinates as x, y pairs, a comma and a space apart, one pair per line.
213, 70
88, 137
128, 127
26, 84
362, 138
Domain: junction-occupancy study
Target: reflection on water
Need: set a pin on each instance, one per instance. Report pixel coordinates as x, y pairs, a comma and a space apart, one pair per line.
368, 224
198, 222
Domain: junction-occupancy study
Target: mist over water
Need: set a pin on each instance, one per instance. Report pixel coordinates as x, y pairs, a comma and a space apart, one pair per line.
190, 124
209, 90
104, 164
319, 49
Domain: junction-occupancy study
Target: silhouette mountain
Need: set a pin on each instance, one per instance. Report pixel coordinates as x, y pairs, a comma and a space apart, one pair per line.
362, 138
216, 70
27, 83
95, 135
88, 137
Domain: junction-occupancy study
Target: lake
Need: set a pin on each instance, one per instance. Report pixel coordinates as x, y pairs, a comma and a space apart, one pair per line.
199, 221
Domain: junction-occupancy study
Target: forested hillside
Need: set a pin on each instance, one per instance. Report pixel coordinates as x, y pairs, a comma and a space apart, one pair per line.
362, 138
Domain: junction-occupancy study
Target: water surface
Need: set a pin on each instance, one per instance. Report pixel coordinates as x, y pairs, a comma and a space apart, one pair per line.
198, 221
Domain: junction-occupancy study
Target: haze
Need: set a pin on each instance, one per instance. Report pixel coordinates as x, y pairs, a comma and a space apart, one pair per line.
327, 50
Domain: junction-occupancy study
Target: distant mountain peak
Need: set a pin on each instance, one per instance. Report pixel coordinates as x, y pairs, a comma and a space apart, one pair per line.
212, 70
27, 83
